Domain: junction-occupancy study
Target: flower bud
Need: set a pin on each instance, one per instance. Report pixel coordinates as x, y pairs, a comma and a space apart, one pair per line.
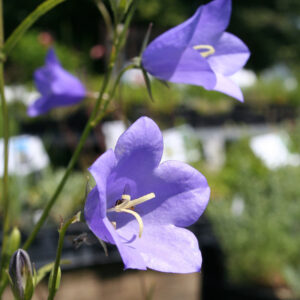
20, 271
14, 241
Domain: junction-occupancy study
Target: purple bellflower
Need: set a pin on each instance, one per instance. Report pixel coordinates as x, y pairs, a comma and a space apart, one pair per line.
199, 52
142, 206
57, 87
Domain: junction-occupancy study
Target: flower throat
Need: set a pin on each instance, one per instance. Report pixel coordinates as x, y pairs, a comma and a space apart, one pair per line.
126, 205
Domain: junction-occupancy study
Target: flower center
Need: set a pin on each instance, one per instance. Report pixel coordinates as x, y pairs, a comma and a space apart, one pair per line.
205, 50
126, 205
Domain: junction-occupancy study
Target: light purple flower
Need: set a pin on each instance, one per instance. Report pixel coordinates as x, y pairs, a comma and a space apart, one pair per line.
199, 52
142, 206
57, 87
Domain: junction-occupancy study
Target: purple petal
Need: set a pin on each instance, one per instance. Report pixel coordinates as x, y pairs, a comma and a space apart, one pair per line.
104, 230
181, 66
43, 79
177, 38
141, 146
192, 68
208, 22
57, 86
40, 106
181, 196
214, 19
230, 56
44, 104
167, 248
51, 58
101, 170
227, 86
171, 56
67, 84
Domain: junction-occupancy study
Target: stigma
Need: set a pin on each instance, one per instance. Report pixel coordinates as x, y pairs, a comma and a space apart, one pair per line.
126, 205
205, 50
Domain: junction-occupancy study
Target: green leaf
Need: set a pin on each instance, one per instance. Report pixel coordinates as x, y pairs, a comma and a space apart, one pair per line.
43, 271
27, 23
146, 38
163, 82
148, 84
14, 241
29, 288
58, 278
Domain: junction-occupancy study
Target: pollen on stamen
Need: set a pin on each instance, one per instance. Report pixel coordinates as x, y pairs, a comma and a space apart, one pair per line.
126, 205
207, 50
114, 224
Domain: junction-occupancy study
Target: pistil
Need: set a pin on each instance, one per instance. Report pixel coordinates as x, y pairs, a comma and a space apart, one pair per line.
127, 206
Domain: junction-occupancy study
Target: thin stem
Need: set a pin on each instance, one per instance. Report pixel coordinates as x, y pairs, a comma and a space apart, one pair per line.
122, 37
75, 156
62, 233
5, 193
3, 285
5, 126
111, 95
27, 23
106, 16
91, 123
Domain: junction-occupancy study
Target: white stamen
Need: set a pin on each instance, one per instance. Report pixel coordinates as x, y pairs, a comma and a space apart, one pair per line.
138, 218
126, 197
140, 200
127, 207
114, 224
209, 50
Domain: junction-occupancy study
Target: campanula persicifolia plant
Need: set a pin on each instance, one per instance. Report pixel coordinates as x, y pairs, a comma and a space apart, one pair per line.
138, 204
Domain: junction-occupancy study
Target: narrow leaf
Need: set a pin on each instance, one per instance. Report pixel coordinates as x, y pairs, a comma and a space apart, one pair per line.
43, 271
163, 82
148, 84
27, 23
146, 38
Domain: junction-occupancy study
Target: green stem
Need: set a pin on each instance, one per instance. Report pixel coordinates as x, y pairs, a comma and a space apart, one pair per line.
27, 23
122, 37
106, 17
91, 123
111, 95
62, 233
5, 126
75, 156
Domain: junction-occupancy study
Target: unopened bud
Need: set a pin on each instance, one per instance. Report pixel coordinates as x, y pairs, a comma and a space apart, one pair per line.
14, 241
20, 271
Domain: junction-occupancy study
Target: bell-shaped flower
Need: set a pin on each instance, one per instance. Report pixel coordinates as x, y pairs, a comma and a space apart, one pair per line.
57, 87
199, 51
142, 206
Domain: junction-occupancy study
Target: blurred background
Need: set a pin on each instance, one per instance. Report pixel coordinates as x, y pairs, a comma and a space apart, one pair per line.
249, 152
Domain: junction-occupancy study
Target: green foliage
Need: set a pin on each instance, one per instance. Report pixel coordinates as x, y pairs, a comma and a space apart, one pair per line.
262, 239
34, 191
167, 13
